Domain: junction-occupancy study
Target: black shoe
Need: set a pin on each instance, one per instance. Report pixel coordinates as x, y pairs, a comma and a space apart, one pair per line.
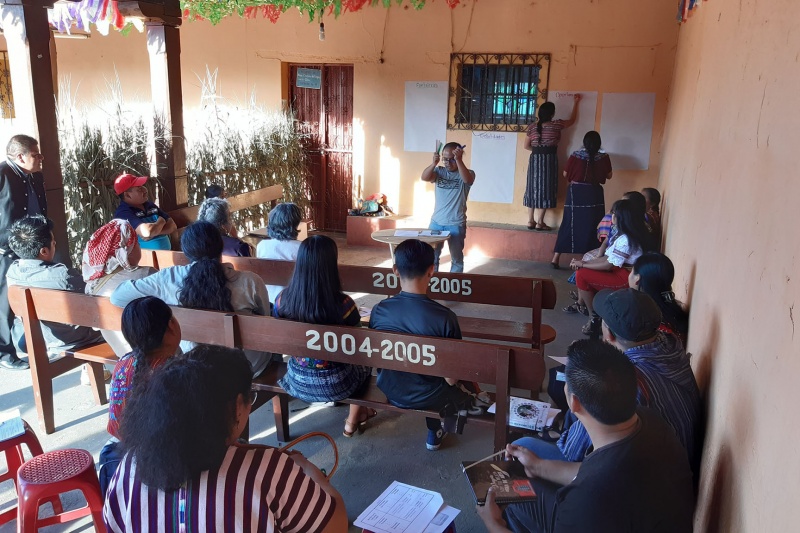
14, 364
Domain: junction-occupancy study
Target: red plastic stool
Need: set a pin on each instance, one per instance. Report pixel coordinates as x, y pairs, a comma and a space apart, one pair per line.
54, 473
12, 448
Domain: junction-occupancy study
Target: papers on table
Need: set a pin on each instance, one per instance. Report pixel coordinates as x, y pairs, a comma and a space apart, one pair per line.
11, 424
529, 414
423, 233
406, 509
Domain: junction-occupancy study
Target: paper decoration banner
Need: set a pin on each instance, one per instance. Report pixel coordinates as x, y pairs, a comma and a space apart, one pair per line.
425, 115
494, 160
626, 126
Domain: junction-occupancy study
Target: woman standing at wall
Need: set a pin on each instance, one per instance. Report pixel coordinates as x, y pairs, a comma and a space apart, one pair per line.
542, 140
587, 170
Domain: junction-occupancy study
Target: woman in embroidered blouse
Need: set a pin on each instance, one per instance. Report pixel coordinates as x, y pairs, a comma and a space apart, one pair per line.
154, 335
542, 141
314, 295
587, 170
610, 270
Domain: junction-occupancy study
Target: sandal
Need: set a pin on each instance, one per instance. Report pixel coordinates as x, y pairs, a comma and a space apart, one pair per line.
574, 309
371, 413
543, 227
592, 328
532, 226
555, 266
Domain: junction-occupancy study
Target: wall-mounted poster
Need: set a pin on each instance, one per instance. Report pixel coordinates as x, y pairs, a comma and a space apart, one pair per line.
626, 125
493, 157
425, 115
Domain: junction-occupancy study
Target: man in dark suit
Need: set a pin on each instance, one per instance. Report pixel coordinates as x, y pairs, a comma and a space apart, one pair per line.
22, 194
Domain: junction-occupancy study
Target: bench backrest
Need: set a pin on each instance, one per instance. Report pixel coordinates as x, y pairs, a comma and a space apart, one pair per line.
186, 215
434, 356
424, 355
531, 293
78, 309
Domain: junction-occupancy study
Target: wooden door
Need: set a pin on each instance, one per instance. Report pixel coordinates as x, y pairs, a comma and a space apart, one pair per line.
325, 114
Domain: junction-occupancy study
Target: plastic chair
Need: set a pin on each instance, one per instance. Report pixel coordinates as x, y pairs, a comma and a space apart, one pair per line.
54, 473
12, 448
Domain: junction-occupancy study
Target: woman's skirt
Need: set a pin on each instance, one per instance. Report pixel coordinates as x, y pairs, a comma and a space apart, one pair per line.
584, 208
323, 385
542, 187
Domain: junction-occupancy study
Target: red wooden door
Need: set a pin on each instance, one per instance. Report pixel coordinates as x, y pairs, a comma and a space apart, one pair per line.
325, 114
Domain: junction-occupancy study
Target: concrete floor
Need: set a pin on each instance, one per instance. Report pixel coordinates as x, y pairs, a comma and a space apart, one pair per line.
392, 448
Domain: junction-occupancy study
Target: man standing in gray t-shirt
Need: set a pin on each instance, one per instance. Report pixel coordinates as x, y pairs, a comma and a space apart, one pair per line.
453, 182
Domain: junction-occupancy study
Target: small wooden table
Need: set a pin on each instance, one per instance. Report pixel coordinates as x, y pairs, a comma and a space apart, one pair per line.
388, 236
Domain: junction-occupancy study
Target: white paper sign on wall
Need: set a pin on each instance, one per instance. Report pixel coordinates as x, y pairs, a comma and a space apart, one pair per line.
626, 126
493, 158
425, 115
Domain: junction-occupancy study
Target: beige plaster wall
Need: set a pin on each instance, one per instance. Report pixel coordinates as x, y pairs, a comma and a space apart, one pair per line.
731, 188
609, 46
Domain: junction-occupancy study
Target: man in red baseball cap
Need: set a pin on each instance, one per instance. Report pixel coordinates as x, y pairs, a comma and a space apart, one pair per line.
152, 225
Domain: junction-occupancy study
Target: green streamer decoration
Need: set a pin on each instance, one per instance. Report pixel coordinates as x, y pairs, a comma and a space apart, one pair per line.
216, 10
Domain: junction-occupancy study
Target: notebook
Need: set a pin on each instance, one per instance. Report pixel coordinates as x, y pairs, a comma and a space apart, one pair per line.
508, 477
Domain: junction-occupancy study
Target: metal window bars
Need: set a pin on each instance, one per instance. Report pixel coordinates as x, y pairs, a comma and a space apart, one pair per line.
496, 92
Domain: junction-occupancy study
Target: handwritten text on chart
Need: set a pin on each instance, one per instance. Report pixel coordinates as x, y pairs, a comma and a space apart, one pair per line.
496, 136
399, 351
423, 85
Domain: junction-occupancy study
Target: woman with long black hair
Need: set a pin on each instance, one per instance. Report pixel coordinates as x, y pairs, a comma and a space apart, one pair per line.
587, 170
653, 274
154, 335
314, 295
205, 283
542, 140
610, 270
184, 470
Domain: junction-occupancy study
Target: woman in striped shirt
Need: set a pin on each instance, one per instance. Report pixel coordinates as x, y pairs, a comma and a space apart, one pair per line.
185, 472
542, 140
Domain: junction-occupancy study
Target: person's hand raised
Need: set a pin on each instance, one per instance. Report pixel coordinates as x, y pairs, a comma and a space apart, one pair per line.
436, 158
458, 153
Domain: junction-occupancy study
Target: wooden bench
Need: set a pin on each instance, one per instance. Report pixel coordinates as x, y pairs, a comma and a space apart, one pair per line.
502, 366
534, 294
186, 215
35, 305
268, 195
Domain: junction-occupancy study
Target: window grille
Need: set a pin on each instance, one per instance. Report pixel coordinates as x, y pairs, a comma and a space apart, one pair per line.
496, 92
6, 98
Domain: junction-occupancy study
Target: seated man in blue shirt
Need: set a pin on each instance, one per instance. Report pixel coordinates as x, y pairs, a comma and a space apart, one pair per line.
635, 478
152, 225
31, 238
413, 312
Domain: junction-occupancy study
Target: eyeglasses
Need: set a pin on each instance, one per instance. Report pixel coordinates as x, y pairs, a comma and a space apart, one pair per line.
253, 397
451, 160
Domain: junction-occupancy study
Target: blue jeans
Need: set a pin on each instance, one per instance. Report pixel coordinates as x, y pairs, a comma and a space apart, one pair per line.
545, 450
456, 243
536, 516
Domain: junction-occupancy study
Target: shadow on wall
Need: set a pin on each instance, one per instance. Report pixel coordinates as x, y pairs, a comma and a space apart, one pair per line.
718, 508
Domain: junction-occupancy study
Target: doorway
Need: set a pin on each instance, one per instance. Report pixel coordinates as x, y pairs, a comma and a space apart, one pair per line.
321, 98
